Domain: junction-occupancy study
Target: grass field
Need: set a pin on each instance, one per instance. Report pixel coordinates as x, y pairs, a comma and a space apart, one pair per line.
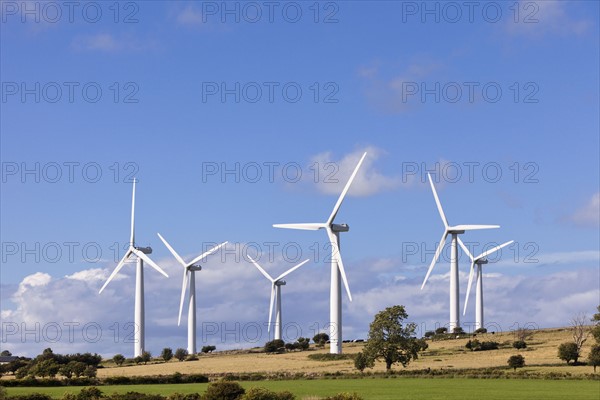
389, 389
540, 356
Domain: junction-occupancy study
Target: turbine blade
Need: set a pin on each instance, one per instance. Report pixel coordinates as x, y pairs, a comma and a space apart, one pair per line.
435, 257
337, 258
471, 227
205, 254
148, 261
337, 206
486, 253
437, 201
289, 271
465, 249
469, 286
306, 227
183, 288
262, 271
116, 270
177, 256
271, 306
132, 237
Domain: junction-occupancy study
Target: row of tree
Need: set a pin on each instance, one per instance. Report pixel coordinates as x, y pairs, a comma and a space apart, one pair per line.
50, 364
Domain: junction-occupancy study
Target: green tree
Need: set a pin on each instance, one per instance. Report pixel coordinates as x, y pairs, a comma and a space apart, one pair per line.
519, 344
181, 354
517, 361
5, 353
361, 361
320, 339
390, 340
90, 371
146, 356
78, 367
45, 368
208, 349
166, 354
568, 351
223, 390
594, 357
441, 330
118, 359
274, 346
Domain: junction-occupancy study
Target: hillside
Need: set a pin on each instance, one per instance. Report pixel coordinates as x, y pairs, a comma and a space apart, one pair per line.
540, 356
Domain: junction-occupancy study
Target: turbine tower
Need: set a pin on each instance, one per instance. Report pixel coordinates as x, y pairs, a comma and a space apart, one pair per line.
479, 261
337, 266
454, 231
189, 274
276, 285
140, 254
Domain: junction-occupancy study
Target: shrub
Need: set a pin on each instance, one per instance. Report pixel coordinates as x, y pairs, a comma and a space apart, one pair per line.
344, 396
429, 334
362, 361
181, 354
481, 330
189, 396
135, 396
488, 346
166, 354
192, 357
458, 331
33, 396
89, 393
118, 359
260, 393
208, 349
320, 339
441, 331
515, 362
223, 390
519, 344
274, 346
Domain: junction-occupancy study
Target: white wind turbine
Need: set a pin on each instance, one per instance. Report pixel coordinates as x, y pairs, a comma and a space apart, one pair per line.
454, 231
337, 266
276, 285
189, 274
140, 254
479, 261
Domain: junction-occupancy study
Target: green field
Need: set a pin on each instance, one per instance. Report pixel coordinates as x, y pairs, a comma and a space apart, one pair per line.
389, 389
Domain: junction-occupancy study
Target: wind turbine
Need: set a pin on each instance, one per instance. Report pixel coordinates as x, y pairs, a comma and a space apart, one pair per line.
337, 266
276, 285
454, 231
189, 274
479, 261
140, 254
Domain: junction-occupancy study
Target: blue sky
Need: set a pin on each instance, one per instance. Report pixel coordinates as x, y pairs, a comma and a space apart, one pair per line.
506, 100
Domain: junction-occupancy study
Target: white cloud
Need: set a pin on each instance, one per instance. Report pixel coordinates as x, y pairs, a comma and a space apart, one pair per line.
588, 215
541, 18
189, 16
335, 174
109, 43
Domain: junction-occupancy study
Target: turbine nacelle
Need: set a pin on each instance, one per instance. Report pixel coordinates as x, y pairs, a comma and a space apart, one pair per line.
340, 227
279, 283
194, 267
145, 250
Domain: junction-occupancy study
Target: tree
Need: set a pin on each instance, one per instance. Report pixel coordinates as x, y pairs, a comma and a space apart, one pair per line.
223, 390
78, 368
361, 361
568, 351
519, 344
595, 331
5, 353
579, 331
480, 330
441, 330
146, 356
90, 371
302, 343
166, 354
458, 330
390, 340
45, 368
274, 346
119, 359
181, 354
208, 349
517, 361
320, 339
594, 357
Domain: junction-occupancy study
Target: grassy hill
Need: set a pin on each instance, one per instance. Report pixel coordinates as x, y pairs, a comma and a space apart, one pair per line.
540, 356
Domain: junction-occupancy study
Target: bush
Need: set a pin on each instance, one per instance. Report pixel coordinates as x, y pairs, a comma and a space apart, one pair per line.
519, 344
458, 331
441, 331
166, 354
320, 339
181, 354
362, 361
192, 357
208, 349
32, 396
488, 346
568, 351
89, 393
223, 390
135, 396
476, 345
189, 396
260, 393
274, 346
481, 330
118, 359
344, 396
515, 362
429, 334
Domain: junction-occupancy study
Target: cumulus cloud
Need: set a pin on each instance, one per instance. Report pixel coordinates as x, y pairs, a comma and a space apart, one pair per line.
369, 180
